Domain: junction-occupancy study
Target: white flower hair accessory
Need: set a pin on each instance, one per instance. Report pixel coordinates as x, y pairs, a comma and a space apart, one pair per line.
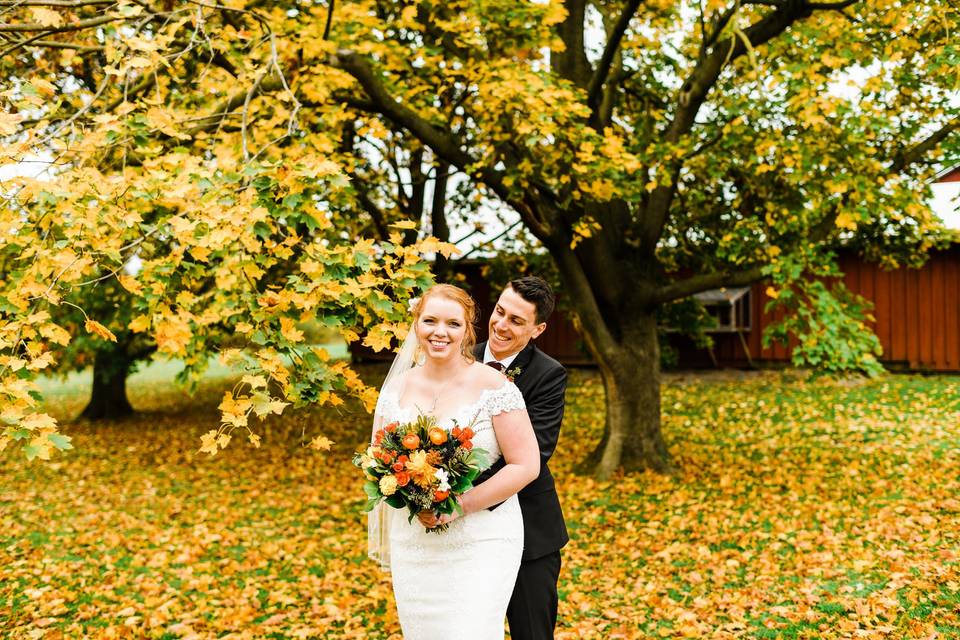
413, 304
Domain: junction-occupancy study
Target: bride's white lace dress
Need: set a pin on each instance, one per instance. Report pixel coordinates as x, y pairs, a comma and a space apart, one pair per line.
457, 584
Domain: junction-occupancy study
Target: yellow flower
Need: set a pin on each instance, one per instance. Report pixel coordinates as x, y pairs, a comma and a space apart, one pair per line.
418, 461
388, 485
420, 469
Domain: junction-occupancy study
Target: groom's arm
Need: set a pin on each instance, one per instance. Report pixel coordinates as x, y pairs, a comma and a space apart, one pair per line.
545, 408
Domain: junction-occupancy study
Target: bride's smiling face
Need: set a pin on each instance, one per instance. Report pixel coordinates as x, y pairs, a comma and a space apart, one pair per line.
441, 327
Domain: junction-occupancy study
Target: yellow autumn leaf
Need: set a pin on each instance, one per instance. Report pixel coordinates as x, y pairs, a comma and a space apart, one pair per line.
377, 339
288, 329
9, 123
173, 335
404, 224
772, 293
55, 334
139, 324
96, 328
846, 221
41, 362
37, 421
46, 17
130, 284
42, 446
208, 442
321, 443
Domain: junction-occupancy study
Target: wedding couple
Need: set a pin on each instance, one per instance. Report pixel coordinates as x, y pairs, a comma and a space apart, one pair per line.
502, 557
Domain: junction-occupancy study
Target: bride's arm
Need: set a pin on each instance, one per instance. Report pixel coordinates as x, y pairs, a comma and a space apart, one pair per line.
518, 446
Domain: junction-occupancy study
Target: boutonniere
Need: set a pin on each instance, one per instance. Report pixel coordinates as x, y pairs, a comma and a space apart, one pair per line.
512, 373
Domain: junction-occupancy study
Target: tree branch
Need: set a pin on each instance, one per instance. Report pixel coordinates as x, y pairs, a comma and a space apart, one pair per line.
718, 26
571, 63
696, 87
602, 71
376, 214
913, 154
76, 26
62, 4
836, 6
694, 92
441, 142
52, 44
227, 106
706, 281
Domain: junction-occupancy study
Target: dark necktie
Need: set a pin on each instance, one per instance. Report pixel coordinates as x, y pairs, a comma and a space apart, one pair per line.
496, 365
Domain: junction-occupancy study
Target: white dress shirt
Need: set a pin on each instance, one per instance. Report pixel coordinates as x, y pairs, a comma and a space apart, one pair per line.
506, 362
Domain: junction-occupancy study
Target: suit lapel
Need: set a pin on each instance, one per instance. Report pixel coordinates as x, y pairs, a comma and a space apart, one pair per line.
522, 360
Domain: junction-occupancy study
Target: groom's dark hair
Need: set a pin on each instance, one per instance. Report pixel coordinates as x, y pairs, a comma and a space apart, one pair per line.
536, 291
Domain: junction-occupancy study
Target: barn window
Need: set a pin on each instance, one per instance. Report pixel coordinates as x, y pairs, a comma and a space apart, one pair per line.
730, 308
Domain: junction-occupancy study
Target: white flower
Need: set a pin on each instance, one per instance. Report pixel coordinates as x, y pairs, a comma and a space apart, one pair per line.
444, 478
412, 304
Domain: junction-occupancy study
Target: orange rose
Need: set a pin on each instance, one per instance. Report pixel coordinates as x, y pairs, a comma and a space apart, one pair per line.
437, 435
439, 496
455, 432
403, 478
411, 441
398, 466
465, 434
390, 428
378, 437
466, 444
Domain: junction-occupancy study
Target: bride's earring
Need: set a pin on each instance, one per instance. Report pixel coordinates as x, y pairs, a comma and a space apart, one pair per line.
419, 357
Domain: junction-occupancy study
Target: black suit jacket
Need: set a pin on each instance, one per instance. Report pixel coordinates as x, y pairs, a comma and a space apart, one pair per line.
542, 382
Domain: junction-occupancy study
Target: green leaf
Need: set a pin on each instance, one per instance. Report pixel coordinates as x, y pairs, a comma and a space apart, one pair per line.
60, 441
372, 489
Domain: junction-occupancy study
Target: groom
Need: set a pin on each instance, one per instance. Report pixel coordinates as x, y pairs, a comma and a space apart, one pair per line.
519, 316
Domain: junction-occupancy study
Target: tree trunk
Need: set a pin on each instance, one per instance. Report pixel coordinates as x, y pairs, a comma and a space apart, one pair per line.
438, 220
631, 376
108, 401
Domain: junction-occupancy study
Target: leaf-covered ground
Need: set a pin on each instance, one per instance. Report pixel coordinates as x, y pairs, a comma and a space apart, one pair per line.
801, 509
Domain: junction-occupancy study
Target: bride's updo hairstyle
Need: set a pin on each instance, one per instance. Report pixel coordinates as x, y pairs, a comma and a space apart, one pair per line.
470, 312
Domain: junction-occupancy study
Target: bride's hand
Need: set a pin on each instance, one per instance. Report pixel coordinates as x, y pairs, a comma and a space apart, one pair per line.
428, 519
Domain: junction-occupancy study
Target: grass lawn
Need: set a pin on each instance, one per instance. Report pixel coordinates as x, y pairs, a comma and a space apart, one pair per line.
801, 509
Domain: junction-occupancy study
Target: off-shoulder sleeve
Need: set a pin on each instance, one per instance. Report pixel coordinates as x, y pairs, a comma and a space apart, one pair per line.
504, 398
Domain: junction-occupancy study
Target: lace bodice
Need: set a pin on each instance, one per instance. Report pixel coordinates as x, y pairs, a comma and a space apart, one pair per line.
489, 403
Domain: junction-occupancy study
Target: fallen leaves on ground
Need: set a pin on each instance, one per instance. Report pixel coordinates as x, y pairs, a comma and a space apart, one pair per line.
802, 508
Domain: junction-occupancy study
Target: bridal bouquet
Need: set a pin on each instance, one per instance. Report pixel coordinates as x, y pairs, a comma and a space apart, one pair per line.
420, 466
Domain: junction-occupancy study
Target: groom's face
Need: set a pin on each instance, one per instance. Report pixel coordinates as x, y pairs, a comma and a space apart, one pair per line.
513, 324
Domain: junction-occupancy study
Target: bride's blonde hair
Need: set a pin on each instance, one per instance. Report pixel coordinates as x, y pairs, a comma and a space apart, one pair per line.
470, 312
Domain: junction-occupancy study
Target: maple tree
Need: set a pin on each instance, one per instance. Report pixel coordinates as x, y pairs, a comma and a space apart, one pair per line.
180, 178
660, 149
655, 150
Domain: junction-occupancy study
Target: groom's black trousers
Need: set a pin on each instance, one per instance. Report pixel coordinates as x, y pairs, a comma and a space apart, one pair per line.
532, 612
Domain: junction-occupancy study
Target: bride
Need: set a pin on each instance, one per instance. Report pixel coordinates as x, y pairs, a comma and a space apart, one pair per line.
456, 584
